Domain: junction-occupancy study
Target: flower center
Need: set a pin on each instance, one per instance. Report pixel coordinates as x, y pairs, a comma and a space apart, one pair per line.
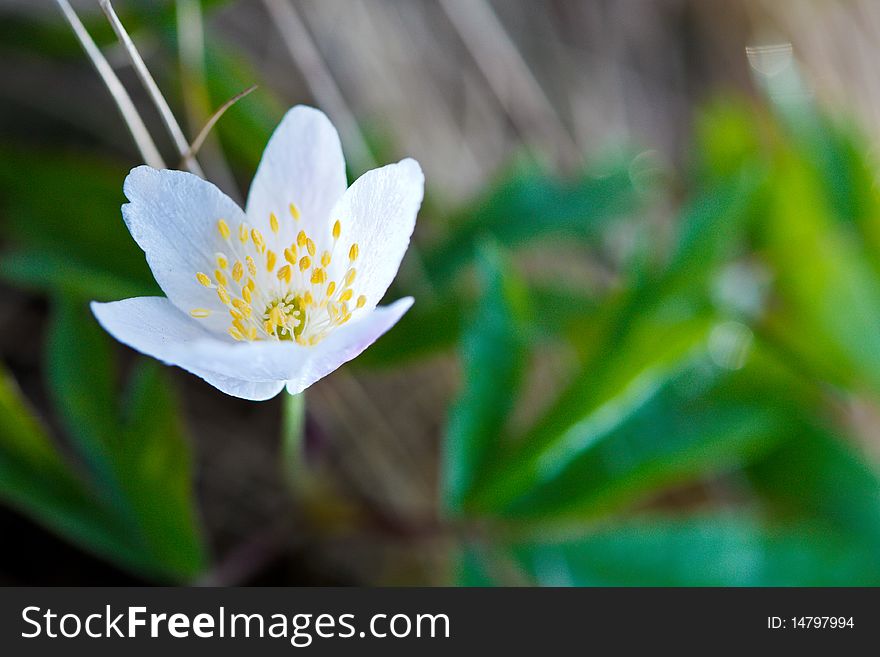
281, 298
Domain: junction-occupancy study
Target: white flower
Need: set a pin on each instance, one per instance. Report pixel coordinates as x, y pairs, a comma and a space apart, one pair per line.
283, 293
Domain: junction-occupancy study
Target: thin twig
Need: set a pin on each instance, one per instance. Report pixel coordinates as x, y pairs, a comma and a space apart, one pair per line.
320, 81
136, 127
203, 133
180, 141
510, 78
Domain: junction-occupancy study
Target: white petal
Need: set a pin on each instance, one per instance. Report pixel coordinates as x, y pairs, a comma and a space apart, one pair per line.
173, 217
300, 366
378, 212
155, 327
302, 164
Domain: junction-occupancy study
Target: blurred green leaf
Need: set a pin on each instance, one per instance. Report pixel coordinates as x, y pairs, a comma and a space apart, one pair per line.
68, 215
820, 476
155, 466
35, 479
494, 359
712, 550
529, 204
138, 454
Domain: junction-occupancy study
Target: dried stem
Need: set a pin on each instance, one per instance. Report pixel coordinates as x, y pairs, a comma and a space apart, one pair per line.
203, 133
130, 115
152, 88
320, 81
510, 78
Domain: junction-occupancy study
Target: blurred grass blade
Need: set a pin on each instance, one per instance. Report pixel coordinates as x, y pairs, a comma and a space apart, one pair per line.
494, 359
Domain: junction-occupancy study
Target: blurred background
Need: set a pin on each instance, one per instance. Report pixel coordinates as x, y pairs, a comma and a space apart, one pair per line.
645, 348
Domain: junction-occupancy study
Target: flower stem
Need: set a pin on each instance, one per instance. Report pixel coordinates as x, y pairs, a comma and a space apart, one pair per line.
293, 428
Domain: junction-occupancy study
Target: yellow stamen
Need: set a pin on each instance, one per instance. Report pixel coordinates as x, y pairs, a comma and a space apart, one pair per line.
325, 259
349, 277
199, 313
241, 305
270, 260
318, 277
345, 296
234, 332
362, 301
243, 233
203, 279
251, 285
290, 256
235, 314
304, 263
246, 293
222, 262
331, 288
273, 222
224, 295
337, 229
223, 227
310, 245
353, 252
284, 274
301, 238
221, 278
251, 265
237, 271
294, 211
308, 299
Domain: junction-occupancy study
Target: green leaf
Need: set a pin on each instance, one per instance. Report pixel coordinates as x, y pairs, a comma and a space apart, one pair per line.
36, 480
138, 454
494, 358
155, 466
823, 477
531, 204
701, 420
714, 550
643, 344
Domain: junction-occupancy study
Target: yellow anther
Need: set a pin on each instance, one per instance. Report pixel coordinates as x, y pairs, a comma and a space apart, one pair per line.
273, 222
276, 316
252, 333
350, 276
345, 319
257, 237
294, 211
251, 265
222, 262
240, 304
333, 310
308, 299
223, 227
301, 238
362, 301
284, 274
331, 288
325, 259
268, 327
224, 295
199, 313
221, 277
251, 285
235, 314
270, 260
243, 233
235, 333
304, 263
310, 245
246, 293
345, 296
237, 271
203, 279
239, 326
290, 256
337, 229
318, 277
353, 252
